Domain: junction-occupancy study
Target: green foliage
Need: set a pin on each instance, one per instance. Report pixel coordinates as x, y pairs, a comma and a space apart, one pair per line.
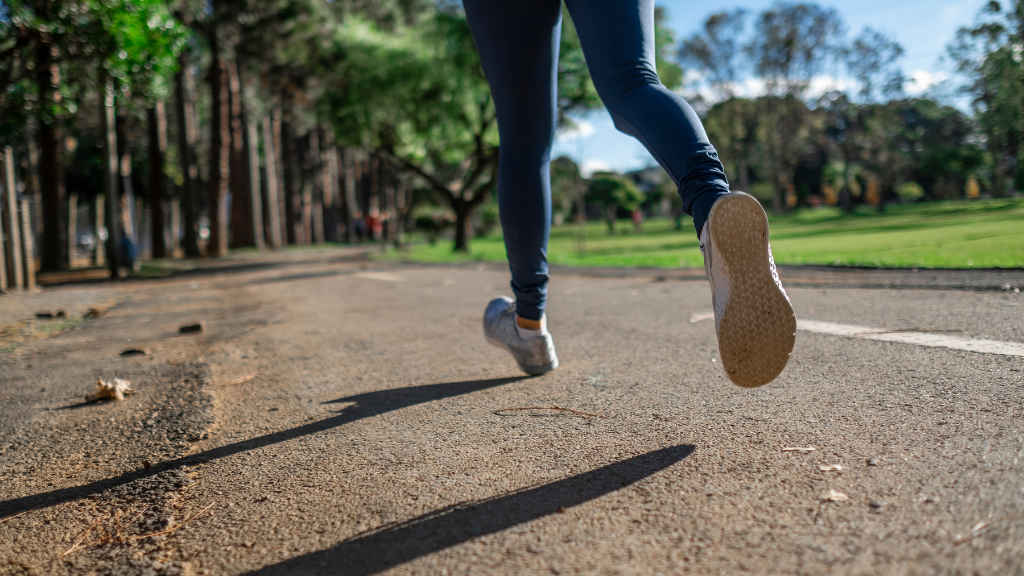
139, 44
420, 94
670, 74
977, 234
487, 221
612, 192
433, 223
576, 92
567, 185
910, 191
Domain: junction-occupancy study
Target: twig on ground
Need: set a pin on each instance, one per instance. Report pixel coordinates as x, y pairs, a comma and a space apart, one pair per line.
172, 528
571, 411
2, 520
241, 380
81, 538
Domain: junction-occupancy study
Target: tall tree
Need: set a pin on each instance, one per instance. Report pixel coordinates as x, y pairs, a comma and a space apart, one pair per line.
987, 55
873, 61
716, 52
791, 45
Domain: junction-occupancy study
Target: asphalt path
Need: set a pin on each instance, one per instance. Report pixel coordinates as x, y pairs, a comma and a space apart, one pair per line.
344, 417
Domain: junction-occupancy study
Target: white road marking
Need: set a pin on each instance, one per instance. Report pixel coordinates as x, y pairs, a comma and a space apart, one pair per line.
835, 329
698, 316
383, 276
981, 345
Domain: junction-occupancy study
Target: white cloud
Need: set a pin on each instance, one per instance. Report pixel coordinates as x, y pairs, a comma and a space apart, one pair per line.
921, 80
588, 167
581, 130
753, 87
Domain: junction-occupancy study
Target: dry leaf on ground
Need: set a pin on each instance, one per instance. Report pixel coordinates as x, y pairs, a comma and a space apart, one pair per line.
834, 496
115, 389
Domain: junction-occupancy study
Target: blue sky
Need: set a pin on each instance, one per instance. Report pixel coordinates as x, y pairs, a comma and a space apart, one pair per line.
923, 27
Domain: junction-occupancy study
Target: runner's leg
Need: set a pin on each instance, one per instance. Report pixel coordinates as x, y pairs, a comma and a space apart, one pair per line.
618, 41
518, 45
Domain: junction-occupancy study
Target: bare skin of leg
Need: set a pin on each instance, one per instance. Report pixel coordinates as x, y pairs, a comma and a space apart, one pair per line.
528, 324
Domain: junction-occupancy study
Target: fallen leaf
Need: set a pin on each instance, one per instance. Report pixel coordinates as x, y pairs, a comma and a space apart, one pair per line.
831, 468
834, 496
798, 448
115, 389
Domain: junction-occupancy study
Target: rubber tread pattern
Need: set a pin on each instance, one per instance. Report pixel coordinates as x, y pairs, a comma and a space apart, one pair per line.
757, 330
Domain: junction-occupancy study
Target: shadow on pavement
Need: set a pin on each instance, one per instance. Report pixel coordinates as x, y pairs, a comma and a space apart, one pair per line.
365, 405
383, 548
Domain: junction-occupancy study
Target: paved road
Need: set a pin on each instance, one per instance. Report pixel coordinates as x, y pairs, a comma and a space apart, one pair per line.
339, 417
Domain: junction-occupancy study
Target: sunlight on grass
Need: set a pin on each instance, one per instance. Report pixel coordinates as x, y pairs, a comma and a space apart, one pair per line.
975, 234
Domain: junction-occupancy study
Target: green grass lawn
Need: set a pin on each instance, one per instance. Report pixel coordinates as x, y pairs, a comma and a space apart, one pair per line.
972, 234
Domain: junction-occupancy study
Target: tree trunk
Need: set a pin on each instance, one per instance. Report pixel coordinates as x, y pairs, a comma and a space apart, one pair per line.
351, 208
292, 197
744, 179
11, 224
779, 195
72, 230
273, 205
388, 196
129, 216
315, 204
27, 242
175, 208
51, 173
282, 197
463, 224
609, 215
241, 193
110, 179
329, 185
99, 223
401, 211
157, 118
187, 132
846, 198
998, 181
220, 149
255, 197
32, 181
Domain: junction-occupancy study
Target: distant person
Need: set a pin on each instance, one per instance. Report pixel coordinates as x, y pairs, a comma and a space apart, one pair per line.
374, 224
638, 220
359, 225
518, 44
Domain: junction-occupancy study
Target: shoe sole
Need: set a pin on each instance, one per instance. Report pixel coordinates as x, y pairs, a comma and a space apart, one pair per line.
758, 328
530, 370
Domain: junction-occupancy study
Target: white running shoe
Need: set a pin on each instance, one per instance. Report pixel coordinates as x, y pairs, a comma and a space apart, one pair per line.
535, 355
753, 316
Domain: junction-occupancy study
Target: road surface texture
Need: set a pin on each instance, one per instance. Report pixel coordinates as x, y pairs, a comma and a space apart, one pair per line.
337, 416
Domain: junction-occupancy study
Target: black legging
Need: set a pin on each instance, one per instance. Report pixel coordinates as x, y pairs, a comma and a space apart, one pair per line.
518, 43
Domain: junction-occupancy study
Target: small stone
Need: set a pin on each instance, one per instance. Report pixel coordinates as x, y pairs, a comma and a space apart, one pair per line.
872, 462
876, 505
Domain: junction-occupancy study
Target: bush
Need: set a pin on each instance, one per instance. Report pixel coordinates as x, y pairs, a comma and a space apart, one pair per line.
433, 224
909, 191
487, 220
